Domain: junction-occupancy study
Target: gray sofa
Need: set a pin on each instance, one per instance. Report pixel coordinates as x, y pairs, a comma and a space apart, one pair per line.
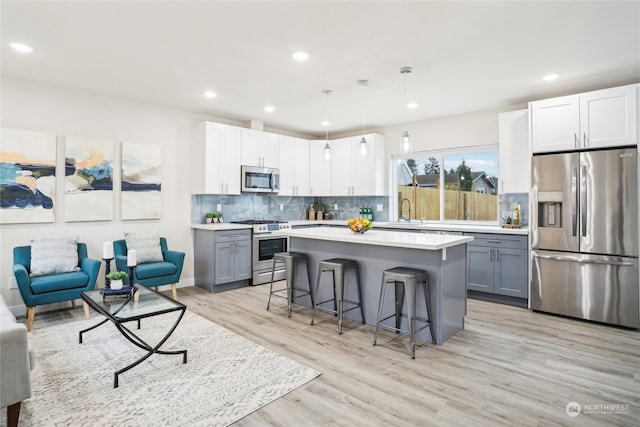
17, 360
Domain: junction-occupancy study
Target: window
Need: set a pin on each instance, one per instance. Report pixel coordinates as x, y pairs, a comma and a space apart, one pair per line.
452, 185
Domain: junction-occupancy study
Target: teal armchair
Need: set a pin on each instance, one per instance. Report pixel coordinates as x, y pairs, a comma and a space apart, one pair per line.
153, 274
53, 288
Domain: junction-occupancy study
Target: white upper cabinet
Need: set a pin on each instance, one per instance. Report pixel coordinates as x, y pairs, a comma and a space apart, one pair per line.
341, 167
514, 152
354, 172
319, 170
259, 148
304, 171
555, 124
293, 161
608, 117
603, 118
219, 151
368, 168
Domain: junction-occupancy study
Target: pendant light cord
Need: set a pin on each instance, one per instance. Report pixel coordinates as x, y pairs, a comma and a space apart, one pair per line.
326, 113
405, 102
363, 83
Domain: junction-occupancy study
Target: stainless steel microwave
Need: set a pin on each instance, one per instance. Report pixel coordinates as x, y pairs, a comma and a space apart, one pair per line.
257, 179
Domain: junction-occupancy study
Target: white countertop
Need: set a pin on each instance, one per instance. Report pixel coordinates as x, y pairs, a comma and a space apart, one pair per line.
414, 225
221, 226
417, 225
381, 238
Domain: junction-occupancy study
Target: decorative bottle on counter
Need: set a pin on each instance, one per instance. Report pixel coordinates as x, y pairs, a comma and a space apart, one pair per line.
312, 213
516, 215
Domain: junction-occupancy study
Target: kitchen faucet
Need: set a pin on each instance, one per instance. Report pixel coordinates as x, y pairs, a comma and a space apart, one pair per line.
405, 218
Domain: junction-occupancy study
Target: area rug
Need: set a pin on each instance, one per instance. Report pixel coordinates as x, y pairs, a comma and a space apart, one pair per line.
225, 378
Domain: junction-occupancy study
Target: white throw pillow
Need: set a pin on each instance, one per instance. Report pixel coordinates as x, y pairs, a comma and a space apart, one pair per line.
52, 256
146, 244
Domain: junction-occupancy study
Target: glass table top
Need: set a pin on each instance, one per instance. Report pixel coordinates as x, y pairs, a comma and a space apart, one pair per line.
143, 303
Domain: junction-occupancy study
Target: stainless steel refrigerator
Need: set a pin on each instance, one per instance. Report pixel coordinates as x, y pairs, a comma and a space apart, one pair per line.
584, 235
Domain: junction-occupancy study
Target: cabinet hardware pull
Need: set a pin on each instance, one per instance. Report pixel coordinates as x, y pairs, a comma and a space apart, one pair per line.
575, 140
490, 254
494, 241
497, 254
584, 139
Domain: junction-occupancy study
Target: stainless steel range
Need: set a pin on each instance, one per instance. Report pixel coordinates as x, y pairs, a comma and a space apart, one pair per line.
266, 242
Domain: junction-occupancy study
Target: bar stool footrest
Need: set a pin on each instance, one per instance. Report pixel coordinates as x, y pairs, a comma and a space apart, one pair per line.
335, 312
404, 331
277, 293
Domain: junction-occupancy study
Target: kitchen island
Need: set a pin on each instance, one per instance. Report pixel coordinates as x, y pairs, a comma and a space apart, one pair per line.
442, 256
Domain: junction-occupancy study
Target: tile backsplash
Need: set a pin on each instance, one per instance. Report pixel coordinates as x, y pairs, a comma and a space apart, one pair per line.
268, 206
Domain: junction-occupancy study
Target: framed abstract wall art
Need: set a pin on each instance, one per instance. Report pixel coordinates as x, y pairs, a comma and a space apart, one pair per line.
27, 176
140, 197
88, 194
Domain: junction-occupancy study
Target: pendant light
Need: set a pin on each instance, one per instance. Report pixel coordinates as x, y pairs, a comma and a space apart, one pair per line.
363, 142
327, 147
405, 145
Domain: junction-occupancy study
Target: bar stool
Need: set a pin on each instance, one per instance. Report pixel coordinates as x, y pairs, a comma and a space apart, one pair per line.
290, 260
339, 268
405, 280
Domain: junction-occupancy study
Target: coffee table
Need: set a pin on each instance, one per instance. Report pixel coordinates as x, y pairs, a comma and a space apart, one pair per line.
143, 303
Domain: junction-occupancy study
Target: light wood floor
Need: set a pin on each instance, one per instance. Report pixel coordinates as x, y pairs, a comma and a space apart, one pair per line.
510, 366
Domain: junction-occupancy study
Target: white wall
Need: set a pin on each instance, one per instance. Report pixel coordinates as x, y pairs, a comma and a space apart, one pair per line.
32, 106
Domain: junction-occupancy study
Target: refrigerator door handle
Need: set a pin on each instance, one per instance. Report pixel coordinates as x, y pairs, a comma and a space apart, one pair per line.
583, 200
583, 261
574, 201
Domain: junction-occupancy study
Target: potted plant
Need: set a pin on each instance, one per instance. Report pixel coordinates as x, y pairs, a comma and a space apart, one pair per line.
210, 217
116, 278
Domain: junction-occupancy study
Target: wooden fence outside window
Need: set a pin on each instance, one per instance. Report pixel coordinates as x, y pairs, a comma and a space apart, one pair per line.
425, 204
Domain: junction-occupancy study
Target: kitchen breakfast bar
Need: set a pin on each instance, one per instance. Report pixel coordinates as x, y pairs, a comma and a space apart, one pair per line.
442, 256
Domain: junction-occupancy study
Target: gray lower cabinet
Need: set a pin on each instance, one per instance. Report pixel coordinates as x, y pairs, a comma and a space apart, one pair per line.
222, 259
497, 264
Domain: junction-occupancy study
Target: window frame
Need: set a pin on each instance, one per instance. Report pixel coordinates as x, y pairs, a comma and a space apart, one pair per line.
440, 154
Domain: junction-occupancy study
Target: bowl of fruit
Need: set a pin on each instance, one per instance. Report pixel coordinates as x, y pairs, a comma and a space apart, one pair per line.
360, 225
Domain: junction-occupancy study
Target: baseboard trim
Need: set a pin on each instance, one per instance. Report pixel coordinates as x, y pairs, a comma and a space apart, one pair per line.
501, 299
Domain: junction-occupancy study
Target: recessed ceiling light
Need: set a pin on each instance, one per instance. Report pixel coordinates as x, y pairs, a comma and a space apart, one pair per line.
550, 77
300, 56
210, 94
269, 108
326, 123
412, 105
21, 47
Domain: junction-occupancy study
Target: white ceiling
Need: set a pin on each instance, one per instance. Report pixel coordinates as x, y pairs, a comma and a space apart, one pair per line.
466, 55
